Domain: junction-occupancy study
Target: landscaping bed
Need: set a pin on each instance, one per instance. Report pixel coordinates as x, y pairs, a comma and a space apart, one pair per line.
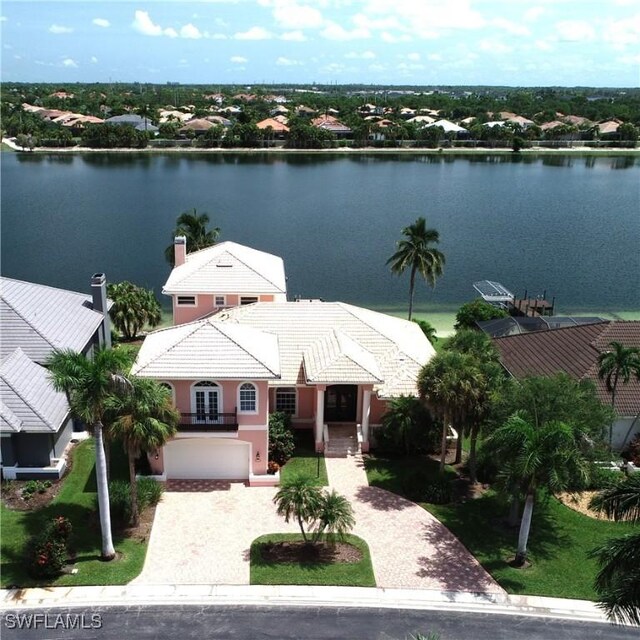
287, 559
305, 460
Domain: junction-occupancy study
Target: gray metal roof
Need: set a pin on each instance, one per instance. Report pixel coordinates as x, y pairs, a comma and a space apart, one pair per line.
39, 319
28, 401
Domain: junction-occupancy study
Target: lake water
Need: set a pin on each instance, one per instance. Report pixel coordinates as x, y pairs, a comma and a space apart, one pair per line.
570, 225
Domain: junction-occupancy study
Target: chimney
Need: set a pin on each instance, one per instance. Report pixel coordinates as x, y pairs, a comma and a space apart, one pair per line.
180, 250
99, 299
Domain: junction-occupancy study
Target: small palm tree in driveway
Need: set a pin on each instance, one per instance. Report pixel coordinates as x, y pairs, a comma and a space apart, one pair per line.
618, 581
88, 384
321, 511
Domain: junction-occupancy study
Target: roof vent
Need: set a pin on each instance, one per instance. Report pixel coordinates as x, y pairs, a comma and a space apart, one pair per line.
224, 265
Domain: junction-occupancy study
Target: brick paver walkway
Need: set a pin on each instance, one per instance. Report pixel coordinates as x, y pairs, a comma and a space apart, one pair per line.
203, 531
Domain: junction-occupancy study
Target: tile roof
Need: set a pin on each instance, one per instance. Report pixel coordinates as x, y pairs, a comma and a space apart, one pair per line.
39, 319
319, 340
228, 267
208, 349
574, 351
28, 401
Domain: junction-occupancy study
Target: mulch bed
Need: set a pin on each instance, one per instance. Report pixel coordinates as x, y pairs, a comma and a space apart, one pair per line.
13, 499
301, 552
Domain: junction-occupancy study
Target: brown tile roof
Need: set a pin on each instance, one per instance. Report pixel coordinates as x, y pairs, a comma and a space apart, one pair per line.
574, 351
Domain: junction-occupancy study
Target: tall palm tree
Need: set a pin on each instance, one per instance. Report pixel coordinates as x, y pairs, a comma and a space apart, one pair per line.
536, 456
618, 581
145, 420
193, 226
617, 365
88, 384
448, 385
417, 253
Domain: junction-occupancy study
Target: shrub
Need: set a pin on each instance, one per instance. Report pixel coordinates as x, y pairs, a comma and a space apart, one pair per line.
281, 443
149, 492
47, 553
420, 486
486, 465
35, 486
475, 311
273, 467
120, 499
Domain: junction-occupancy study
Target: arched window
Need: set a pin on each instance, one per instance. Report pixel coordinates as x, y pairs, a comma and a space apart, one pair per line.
248, 398
206, 401
286, 400
169, 387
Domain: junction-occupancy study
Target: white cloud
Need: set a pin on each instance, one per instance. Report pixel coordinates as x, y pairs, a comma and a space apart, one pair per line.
631, 60
335, 31
238, 59
511, 27
377, 67
334, 67
287, 62
70, 62
575, 30
3, 18
621, 33
415, 57
58, 28
543, 45
357, 55
494, 46
101, 22
293, 36
531, 15
391, 38
255, 33
94, 60
143, 24
406, 66
191, 32
434, 57
288, 14
218, 36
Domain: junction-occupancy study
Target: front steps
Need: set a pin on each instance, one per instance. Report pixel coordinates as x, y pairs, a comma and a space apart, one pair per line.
342, 442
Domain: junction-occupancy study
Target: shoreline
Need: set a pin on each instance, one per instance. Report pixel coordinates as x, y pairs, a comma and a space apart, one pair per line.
342, 151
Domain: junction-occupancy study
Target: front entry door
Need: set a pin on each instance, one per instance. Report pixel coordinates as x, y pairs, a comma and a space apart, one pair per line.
340, 403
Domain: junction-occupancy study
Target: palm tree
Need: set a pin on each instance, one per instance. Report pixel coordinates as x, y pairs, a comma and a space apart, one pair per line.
416, 252
133, 308
448, 384
145, 420
193, 226
618, 364
535, 457
325, 512
88, 384
335, 517
618, 581
299, 498
404, 416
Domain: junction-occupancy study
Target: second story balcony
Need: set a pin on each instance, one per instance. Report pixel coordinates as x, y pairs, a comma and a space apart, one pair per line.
209, 422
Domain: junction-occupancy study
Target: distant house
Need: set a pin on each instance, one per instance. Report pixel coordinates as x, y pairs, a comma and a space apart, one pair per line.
575, 351
137, 122
224, 275
449, 127
35, 425
199, 126
280, 130
331, 123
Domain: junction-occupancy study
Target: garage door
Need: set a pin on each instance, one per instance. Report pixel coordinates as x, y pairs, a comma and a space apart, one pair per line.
206, 458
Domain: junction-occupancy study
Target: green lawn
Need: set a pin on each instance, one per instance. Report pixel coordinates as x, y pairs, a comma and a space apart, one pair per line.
305, 460
359, 574
76, 501
559, 545
395, 474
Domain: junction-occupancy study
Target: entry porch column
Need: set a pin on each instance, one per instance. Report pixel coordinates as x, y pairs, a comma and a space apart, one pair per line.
318, 429
366, 412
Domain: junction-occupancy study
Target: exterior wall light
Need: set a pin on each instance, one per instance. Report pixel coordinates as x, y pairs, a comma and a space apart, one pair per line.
258, 456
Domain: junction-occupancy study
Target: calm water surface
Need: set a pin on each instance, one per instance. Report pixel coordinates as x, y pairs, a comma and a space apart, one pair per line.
565, 224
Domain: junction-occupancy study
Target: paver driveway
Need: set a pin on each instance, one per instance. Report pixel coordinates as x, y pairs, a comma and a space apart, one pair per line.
203, 537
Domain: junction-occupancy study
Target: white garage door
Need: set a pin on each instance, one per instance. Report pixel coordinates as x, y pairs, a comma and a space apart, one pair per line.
206, 458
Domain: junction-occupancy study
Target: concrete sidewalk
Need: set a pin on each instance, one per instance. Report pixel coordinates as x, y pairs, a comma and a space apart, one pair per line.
361, 597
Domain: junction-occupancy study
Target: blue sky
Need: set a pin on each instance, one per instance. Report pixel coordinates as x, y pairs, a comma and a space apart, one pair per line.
424, 42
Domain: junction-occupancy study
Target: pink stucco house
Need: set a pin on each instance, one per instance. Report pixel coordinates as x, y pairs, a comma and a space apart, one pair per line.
327, 364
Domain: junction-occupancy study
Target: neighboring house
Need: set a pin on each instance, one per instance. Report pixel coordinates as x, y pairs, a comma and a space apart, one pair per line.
36, 320
224, 275
137, 122
324, 363
575, 351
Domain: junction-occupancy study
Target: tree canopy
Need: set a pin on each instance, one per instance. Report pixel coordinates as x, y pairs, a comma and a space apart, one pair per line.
133, 308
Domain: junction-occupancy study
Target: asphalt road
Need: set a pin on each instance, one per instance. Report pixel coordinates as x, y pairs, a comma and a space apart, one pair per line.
284, 623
